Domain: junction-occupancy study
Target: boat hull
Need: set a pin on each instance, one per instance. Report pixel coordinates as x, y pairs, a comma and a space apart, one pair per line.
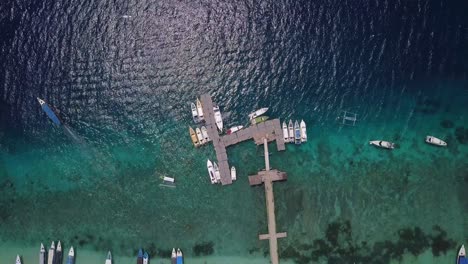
52, 116
285, 133
382, 144
211, 171
303, 131
258, 113
233, 173
435, 141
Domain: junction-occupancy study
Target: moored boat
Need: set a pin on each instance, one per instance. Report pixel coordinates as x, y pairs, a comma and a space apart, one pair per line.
18, 259
42, 255
50, 257
461, 258
382, 144
140, 256
109, 258
58, 253
45, 107
218, 118
71, 256
211, 171
259, 120
435, 141
297, 133
303, 131
291, 131
199, 110
285, 132
180, 257
145, 258
204, 132
258, 113
199, 136
173, 256
216, 169
193, 136
234, 129
194, 112
233, 173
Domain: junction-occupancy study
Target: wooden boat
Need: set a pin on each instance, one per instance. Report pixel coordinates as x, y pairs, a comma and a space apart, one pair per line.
259, 120
216, 169
109, 258
297, 133
194, 112
291, 131
382, 144
199, 136
233, 173
42, 255
71, 256
234, 129
211, 171
435, 141
180, 257
303, 131
461, 258
285, 132
258, 113
193, 136
199, 110
204, 132
173, 256
50, 257
140, 256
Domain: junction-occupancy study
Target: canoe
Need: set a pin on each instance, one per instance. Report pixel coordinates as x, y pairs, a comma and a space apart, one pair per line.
297, 133
199, 136
285, 132
291, 131
194, 112
199, 109
303, 131
259, 120
211, 171
193, 136
71, 256
109, 258
173, 256
382, 144
234, 129
461, 258
233, 173
204, 132
258, 113
435, 141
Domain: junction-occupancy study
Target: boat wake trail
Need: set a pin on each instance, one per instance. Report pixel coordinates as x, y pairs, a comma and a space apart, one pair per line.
73, 136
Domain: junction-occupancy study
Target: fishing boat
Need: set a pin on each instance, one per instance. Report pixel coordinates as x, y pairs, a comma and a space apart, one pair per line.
259, 120
233, 173
145, 258
204, 132
218, 118
109, 258
50, 257
193, 136
285, 132
71, 256
461, 258
211, 171
216, 169
58, 253
258, 113
199, 136
382, 144
234, 129
297, 133
303, 131
180, 257
194, 112
18, 259
140, 256
173, 256
199, 110
49, 112
291, 131
42, 255
435, 141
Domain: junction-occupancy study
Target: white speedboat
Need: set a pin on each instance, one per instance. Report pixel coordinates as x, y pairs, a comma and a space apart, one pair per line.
285, 133
199, 110
199, 136
109, 258
18, 259
303, 131
173, 256
297, 133
258, 113
234, 129
194, 137
435, 141
50, 257
205, 134
194, 112
211, 171
461, 258
218, 118
42, 255
216, 169
291, 131
233, 173
382, 144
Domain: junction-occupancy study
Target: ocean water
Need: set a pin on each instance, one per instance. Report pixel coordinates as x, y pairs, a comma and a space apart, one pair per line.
122, 75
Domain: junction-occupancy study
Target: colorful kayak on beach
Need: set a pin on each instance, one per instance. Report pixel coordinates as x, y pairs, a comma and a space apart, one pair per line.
49, 112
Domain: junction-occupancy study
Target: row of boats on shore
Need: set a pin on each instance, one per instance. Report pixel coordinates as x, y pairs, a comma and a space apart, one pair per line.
55, 256
390, 145
296, 134
213, 172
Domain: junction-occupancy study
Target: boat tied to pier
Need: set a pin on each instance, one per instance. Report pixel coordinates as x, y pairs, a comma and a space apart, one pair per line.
461, 258
204, 132
18, 259
199, 136
71, 256
259, 120
173, 256
42, 255
218, 118
180, 257
291, 131
50, 257
285, 132
145, 258
194, 112
199, 110
211, 171
140, 256
234, 129
258, 113
217, 174
109, 258
382, 144
303, 131
297, 133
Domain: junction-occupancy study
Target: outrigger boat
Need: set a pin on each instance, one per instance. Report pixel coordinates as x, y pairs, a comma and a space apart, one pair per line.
233, 173
199, 136
303, 131
42, 255
204, 132
50, 257
218, 118
461, 258
180, 257
199, 110
216, 169
193, 136
173, 256
382, 144
109, 258
49, 112
259, 120
291, 131
435, 141
297, 133
18, 259
140, 256
211, 171
145, 258
234, 129
194, 112
258, 113
285, 132
71, 256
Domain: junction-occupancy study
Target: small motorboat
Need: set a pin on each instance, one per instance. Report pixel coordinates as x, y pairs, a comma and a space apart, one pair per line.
382, 144
18, 259
194, 112
50, 257
199, 110
199, 136
204, 132
291, 131
193, 136
71, 256
218, 118
461, 258
180, 257
45, 107
145, 258
140, 256
297, 133
303, 131
234, 129
42, 255
435, 141
109, 258
58, 253
173, 256
216, 169
259, 120
285, 132
211, 171
258, 113
233, 173
167, 182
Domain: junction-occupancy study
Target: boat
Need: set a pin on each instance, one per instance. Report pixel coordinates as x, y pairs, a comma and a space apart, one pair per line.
173, 256
211, 171
259, 120
193, 136
45, 107
285, 132
303, 131
382, 144
199, 110
58, 253
199, 136
109, 258
435, 141
218, 118
291, 131
233, 173
71, 256
194, 112
145, 258
140, 256
258, 113
180, 257
461, 258
216, 169
234, 129
42, 255
297, 133
204, 132
50, 257
18, 259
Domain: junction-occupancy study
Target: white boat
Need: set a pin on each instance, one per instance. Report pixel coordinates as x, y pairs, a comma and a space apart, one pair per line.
18, 259
382, 144
173, 256
42, 255
285, 132
291, 131
234, 129
109, 258
199, 109
204, 132
216, 169
297, 133
180, 259
71, 256
145, 258
194, 112
58, 253
50, 257
211, 171
461, 258
258, 113
303, 131
218, 118
199, 136
435, 141
233, 173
